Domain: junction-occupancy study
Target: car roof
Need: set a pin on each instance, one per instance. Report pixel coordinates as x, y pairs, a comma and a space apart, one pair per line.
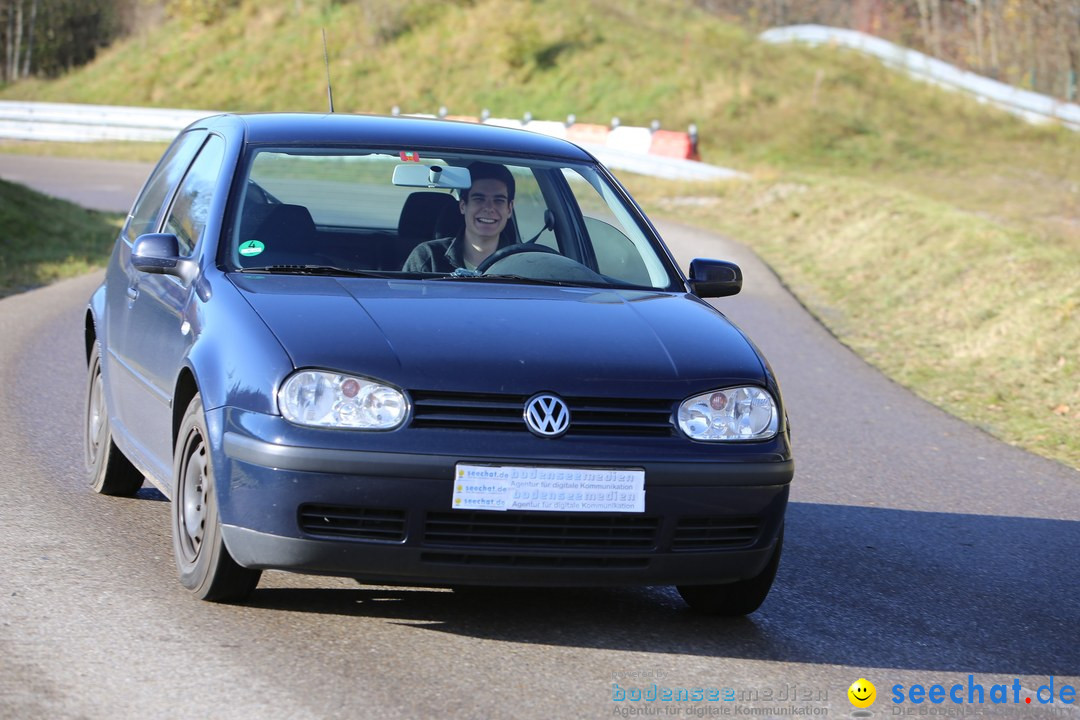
398, 132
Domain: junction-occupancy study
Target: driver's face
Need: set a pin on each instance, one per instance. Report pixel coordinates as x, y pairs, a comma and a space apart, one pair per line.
487, 209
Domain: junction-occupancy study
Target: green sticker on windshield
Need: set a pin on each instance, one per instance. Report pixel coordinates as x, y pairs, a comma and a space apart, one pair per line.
251, 248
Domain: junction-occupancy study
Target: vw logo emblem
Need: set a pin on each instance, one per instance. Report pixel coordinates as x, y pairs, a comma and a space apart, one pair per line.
547, 416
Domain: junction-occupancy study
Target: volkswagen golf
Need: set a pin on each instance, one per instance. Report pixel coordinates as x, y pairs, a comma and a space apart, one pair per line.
423, 352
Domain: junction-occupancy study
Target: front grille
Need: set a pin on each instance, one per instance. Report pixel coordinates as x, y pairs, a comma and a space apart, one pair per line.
540, 531
335, 521
588, 416
715, 533
531, 561
529, 532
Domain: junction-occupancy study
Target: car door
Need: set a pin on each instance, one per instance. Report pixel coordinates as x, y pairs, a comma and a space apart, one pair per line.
161, 315
122, 377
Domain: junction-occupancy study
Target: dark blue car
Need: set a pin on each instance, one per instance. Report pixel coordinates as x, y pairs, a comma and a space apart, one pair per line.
424, 352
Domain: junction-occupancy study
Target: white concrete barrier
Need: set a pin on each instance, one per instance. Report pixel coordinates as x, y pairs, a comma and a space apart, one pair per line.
630, 139
84, 123
547, 127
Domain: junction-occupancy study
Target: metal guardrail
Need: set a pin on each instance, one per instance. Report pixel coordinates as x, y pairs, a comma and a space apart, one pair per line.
1031, 106
83, 123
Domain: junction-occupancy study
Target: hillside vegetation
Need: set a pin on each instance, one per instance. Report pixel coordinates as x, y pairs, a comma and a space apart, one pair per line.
937, 236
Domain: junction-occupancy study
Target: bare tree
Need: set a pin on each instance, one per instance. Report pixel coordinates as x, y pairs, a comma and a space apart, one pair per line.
976, 7
14, 70
30, 38
1033, 43
9, 40
994, 27
15, 31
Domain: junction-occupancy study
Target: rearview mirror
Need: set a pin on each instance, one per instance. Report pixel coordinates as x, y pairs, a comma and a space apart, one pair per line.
714, 278
432, 176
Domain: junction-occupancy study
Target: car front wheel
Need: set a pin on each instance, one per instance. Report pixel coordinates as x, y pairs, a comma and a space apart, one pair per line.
206, 568
110, 473
738, 598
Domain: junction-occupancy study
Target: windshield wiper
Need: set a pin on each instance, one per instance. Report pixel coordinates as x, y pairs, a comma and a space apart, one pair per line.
317, 270
477, 277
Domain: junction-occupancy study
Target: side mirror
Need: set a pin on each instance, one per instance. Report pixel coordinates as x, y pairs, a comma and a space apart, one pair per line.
714, 278
159, 254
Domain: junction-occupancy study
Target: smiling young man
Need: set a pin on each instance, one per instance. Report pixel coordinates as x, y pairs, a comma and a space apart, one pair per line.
486, 207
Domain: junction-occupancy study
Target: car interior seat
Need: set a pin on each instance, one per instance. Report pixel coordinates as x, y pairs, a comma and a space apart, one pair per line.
288, 234
449, 222
419, 217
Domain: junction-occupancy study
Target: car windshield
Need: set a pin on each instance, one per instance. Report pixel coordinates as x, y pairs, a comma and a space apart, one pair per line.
398, 213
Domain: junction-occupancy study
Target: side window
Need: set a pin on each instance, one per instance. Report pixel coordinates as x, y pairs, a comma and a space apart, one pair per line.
147, 210
615, 253
191, 207
621, 249
529, 207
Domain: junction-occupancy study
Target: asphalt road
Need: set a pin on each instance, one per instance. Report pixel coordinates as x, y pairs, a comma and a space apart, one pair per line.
918, 551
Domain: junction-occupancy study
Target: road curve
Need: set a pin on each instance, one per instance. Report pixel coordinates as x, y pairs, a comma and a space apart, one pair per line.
918, 550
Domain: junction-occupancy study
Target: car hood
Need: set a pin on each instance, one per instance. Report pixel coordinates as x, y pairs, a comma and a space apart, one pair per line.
503, 338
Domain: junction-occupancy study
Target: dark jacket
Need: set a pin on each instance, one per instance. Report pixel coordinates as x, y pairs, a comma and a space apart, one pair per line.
443, 255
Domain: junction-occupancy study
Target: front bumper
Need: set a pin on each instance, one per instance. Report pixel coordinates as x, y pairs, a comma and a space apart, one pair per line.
386, 516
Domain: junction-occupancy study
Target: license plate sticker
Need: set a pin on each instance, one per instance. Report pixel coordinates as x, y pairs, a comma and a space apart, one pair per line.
550, 489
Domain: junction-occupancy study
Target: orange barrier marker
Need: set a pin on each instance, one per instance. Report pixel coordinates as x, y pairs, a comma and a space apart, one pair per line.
673, 144
588, 134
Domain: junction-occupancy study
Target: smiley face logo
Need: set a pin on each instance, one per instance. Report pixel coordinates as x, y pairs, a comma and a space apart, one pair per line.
862, 693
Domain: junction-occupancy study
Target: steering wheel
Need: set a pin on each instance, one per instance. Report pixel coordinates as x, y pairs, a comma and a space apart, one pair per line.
512, 250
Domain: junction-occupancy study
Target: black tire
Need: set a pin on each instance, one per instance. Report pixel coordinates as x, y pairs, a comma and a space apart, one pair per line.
205, 566
738, 598
109, 472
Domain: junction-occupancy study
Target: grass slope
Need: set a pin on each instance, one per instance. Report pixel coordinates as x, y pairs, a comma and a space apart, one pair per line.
938, 237
43, 239
977, 317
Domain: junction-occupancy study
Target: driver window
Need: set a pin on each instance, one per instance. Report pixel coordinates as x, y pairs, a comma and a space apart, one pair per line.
191, 207
147, 210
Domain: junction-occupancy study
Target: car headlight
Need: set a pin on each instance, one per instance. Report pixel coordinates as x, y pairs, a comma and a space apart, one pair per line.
326, 399
742, 413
